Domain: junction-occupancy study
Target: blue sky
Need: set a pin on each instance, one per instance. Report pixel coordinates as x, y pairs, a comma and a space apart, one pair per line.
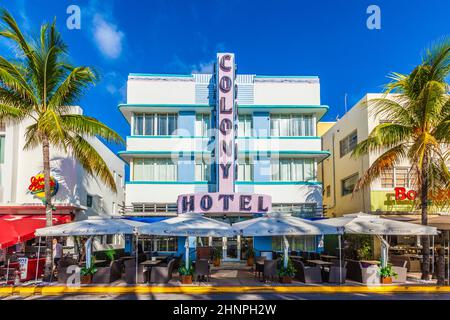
327, 38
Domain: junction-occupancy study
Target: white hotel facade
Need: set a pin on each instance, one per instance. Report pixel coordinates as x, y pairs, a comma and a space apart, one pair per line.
171, 146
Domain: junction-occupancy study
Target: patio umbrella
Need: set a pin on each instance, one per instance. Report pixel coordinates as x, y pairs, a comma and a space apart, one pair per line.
361, 223
277, 224
93, 226
188, 225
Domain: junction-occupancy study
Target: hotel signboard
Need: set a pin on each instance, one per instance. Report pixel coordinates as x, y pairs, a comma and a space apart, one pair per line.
225, 200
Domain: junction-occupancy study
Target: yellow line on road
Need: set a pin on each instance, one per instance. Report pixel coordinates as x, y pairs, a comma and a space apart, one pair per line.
118, 290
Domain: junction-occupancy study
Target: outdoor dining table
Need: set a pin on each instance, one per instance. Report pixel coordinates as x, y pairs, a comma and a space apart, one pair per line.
320, 263
374, 262
328, 257
148, 264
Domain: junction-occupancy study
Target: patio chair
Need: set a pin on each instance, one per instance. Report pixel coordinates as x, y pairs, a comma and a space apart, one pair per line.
160, 274
259, 266
108, 274
130, 272
202, 269
401, 272
363, 273
270, 269
307, 274
413, 265
336, 272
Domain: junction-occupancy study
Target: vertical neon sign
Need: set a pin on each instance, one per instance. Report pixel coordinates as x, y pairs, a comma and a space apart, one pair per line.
225, 147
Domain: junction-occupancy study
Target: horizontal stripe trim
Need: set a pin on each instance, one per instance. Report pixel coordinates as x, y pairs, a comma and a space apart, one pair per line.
241, 152
237, 182
287, 77
239, 138
160, 75
255, 106
146, 105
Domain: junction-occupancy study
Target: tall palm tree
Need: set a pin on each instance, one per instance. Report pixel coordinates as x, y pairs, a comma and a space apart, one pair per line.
418, 129
40, 86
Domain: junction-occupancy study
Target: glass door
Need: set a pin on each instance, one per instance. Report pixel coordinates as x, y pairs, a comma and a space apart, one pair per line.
232, 248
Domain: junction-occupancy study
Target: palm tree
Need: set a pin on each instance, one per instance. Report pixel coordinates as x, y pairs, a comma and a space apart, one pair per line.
418, 129
40, 86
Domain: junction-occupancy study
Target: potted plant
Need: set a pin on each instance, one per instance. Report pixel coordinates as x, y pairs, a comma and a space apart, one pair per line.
217, 256
250, 257
286, 273
87, 273
186, 273
386, 274
110, 254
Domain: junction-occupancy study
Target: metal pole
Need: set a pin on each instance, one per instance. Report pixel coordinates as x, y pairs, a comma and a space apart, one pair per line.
340, 258
286, 250
7, 271
37, 262
186, 246
432, 255
136, 250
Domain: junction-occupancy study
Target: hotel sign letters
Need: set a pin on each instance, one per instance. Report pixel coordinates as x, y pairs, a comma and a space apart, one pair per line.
225, 200
225, 148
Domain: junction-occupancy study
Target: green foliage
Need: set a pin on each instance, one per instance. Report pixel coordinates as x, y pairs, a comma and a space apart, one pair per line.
417, 123
217, 253
359, 246
386, 272
250, 253
85, 271
288, 271
183, 271
110, 253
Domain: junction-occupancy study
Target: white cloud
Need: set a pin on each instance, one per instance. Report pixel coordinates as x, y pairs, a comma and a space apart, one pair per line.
203, 67
108, 37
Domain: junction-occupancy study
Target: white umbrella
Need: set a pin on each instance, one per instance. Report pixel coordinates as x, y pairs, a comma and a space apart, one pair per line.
277, 224
361, 223
92, 226
188, 225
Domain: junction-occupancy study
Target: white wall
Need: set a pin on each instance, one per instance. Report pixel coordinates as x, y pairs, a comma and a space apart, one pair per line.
300, 91
172, 90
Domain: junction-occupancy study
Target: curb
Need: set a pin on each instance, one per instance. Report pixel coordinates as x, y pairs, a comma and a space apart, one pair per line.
62, 290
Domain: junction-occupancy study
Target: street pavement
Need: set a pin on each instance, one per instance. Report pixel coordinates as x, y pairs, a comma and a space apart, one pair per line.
236, 296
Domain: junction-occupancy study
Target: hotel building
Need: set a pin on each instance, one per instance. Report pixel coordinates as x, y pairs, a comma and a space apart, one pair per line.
391, 194
172, 146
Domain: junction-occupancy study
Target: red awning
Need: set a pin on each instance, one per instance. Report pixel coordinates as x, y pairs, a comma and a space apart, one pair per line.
20, 228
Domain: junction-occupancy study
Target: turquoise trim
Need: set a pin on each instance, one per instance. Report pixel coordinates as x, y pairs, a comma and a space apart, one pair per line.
241, 152
278, 182
147, 105
280, 106
239, 138
160, 75
167, 182
287, 77
167, 137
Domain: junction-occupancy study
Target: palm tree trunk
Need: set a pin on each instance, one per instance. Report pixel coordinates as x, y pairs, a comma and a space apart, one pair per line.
48, 209
424, 207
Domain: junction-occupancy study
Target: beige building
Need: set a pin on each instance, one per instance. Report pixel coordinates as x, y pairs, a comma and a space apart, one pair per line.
390, 194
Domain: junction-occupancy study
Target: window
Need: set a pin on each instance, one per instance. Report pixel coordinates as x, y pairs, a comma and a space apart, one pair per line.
293, 170
245, 125
387, 178
401, 177
245, 170
348, 185
291, 125
160, 124
89, 201
298, 243
202, 170
398, 177
148, 169
202, 124
348, 143
2, 149
165, 244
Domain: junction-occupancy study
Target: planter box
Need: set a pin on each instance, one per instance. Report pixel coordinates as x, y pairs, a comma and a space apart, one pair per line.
387, 280
250, 261
86, 279
285, 279
216, 262
186, 279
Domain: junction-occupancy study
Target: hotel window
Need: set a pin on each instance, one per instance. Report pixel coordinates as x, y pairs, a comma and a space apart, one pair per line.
165, 244
89, 201
202, 170
293, 170
297, 243
245, 170
245, 125
2, 149
348, 143
398, 177
348, 185
158, 124
202, 124
148, 169
401, 177
291, 125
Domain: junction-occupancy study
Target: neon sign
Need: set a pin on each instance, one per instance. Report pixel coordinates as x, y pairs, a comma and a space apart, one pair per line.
37, 186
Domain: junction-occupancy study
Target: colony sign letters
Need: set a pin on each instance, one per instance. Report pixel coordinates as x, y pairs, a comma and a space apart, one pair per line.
225, 200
